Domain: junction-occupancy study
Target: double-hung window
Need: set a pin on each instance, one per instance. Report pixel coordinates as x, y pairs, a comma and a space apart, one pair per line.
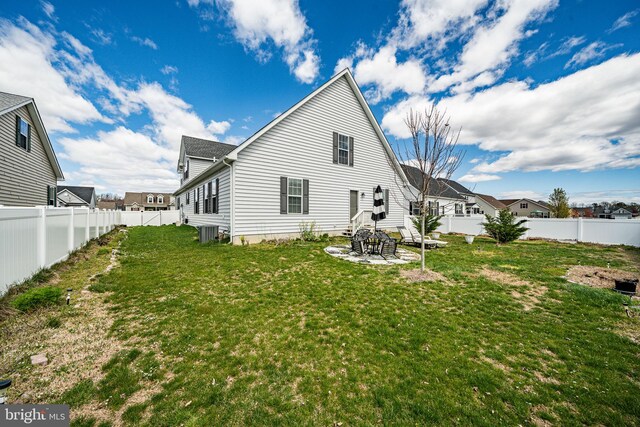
458, 208
150, 198
343, 149
196, 200
294, 196
206, 189
160, 200
23, 130
213, 192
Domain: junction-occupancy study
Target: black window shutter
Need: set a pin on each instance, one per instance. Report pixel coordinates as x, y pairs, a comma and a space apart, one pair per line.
283, 195
350, 151
18, 132
335, 147
305, 196
48, 194
29, 138
386, 201
217, 200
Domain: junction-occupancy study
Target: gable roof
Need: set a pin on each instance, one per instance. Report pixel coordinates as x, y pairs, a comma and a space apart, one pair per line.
509, 202
84, 193
233, 155
10, 102
456, 186
491, 200
437, 188
205, 148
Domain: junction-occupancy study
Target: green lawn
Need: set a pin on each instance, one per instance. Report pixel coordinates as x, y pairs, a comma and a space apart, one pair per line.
287, 335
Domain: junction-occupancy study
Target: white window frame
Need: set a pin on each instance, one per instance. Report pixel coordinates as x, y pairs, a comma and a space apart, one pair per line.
346, 140
160, 199
289, 195
149, 196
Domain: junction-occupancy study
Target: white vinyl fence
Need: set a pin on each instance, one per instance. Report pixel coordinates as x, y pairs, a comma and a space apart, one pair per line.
604, 231
132, 218
38, 237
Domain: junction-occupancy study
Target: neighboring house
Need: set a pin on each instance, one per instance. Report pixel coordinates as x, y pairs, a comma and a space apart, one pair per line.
30, 169
443, 199
148, 201
472, 207
74, 196
489, 205
612, 213
117, 205
527, 207
318, 162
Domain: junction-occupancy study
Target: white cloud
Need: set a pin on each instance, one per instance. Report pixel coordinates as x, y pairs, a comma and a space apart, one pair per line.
434, 22
122, 160
169, 69
387, 75
49, 10
26, 57
218, 128
233, 139
623, 21
595, 50
100, 36
482, 177
584, 121
494, 44
522, 194
260, 25
588, 197
145, 42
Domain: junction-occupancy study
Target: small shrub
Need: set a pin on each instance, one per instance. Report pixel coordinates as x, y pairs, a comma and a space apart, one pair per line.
504, 228
54, 322
243, 240
432, 222
308, 231
37, 297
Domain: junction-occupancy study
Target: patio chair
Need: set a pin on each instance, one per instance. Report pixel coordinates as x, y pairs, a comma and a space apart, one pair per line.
407, 237
358, 246
438, 243
388, 248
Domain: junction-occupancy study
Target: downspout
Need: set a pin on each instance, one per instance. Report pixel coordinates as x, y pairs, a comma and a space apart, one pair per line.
231, 199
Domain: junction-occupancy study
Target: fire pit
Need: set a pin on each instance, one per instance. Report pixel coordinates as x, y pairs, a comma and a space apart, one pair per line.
626, 286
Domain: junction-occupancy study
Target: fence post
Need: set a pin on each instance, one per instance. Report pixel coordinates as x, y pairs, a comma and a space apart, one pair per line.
42, 237
87, 226
160, 218
580, 230
97, 212
70, 232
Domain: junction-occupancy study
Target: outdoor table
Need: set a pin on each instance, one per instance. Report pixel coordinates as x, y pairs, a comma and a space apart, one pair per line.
373, 244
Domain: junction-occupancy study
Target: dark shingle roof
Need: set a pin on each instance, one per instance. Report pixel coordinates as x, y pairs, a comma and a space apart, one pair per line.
492, 201
508, 202
437, 188
198, 147
84, 193
456, 186
8, 100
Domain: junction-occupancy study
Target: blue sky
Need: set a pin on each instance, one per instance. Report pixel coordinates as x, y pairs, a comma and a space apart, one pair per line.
546, 92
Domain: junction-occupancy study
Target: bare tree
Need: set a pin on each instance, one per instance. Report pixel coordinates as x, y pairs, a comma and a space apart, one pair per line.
434, 151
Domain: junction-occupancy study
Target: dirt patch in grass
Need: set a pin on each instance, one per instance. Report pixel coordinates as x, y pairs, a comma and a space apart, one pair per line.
528, 294
598, 277
418, 275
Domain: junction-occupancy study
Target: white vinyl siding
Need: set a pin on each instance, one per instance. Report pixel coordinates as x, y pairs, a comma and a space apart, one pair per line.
222, 218
302, 146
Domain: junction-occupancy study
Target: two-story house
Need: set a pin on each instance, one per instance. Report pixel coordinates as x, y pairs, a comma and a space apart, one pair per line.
317, 162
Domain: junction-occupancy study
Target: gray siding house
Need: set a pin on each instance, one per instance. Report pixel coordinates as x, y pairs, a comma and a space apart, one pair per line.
76, 196
29, 169
317, 162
